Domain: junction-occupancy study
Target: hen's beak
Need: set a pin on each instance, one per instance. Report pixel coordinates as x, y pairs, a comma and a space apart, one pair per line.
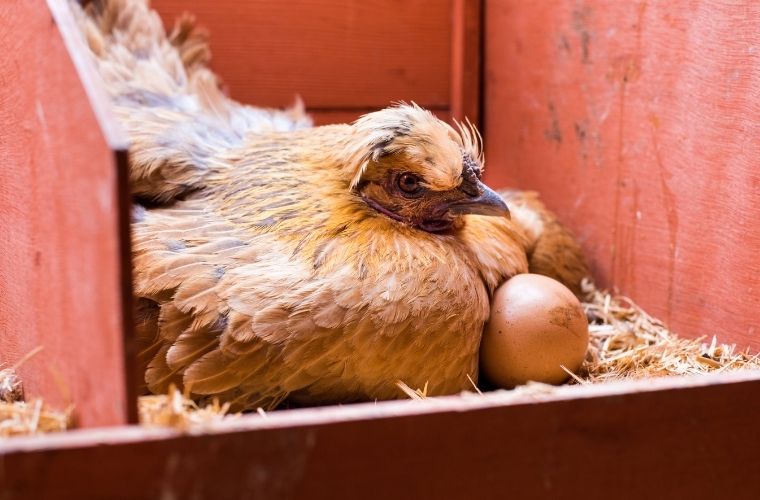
487, 202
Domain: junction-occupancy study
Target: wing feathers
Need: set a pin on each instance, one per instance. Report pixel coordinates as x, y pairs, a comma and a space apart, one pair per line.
190, 346
213, 373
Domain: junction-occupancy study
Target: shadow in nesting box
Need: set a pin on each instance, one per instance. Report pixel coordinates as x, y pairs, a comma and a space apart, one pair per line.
66, 287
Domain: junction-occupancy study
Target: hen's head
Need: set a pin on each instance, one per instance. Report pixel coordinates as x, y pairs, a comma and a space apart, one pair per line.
410, 166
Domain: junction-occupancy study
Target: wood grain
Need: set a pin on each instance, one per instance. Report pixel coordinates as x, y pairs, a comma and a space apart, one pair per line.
335, 54
638, 122
63, 254
672, 438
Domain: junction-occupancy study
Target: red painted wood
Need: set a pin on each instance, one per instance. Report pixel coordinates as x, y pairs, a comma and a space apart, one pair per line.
465, 60
638, 122
667, 438
62, 229
335, 54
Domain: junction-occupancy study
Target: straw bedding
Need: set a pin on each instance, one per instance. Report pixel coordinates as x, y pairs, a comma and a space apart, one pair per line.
625, 342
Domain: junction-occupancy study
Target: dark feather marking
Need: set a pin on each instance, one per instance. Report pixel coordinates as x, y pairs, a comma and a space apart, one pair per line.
320, 256
269, 221
299, 247
229, 193
266, 150
257, 183
287, 215
176, 245
138, 213
274, 162
402, 129
278, 192
278, 204
340, 229
147, 99
221, 322
378, 149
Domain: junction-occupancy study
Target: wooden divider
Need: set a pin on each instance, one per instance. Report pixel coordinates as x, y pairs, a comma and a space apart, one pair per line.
64, 254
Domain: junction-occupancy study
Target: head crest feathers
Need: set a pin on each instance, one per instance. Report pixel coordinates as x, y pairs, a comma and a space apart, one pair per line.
392, 129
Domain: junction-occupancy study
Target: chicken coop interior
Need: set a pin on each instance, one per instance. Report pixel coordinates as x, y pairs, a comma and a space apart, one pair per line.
634, 123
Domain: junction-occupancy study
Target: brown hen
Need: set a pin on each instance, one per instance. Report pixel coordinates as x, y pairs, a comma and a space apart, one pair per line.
274, 261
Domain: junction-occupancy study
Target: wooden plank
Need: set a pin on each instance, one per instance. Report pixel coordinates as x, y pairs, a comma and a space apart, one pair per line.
423, 51
465, 60
678, 437
334, 53
638, 123
64, 235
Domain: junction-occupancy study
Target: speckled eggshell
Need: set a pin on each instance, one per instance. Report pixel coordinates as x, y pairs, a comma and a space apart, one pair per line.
536, 325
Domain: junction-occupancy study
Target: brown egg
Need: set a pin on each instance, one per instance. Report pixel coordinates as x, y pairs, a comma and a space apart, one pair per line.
537, 325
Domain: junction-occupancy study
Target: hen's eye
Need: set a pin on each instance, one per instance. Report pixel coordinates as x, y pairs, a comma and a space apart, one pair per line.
409, 183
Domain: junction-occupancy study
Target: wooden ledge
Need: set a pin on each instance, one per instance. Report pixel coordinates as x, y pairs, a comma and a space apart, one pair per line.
681, 437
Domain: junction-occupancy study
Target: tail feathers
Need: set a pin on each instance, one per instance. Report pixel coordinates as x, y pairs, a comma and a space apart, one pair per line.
167, 99
191, 43
552, 249
138, 64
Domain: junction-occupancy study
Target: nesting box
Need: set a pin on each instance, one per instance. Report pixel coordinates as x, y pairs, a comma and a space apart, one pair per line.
638, 124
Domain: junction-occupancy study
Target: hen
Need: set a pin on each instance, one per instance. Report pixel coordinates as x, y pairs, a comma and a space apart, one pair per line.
274, 261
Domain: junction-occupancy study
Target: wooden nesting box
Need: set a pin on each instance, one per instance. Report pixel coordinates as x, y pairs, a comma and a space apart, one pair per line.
638, 122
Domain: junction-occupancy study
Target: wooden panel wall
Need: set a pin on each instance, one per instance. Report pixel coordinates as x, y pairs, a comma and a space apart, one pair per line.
343, 57
640, 124
63, 260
